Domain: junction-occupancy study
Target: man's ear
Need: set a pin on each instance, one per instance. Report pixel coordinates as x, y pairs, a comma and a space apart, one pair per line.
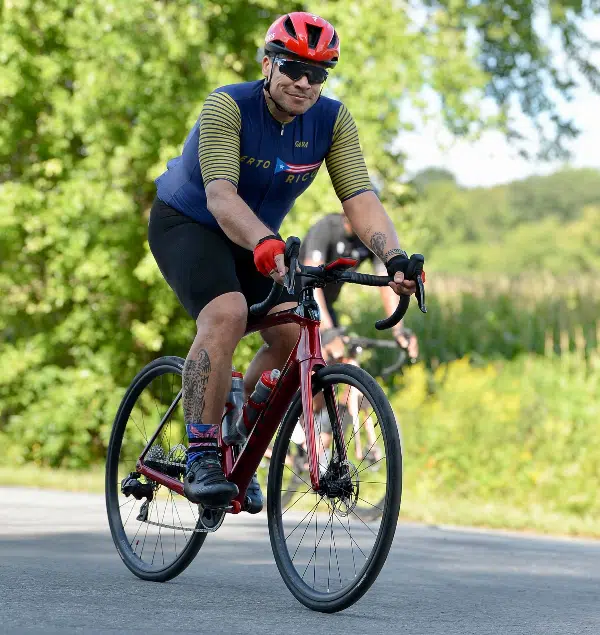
266, 66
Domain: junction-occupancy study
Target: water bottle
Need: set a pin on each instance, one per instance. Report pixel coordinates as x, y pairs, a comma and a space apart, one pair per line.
254, 406
235, 401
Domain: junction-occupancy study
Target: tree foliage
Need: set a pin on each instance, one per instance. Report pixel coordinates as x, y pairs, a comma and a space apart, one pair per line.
534, 53
95, 97
549, 223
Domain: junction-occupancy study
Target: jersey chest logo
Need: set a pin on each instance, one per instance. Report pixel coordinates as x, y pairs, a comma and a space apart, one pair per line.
282, 166
297, 173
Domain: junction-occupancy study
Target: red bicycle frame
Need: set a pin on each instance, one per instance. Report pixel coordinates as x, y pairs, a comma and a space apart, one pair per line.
305, 358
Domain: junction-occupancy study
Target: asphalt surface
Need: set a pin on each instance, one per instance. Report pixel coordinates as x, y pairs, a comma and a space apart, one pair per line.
60, 573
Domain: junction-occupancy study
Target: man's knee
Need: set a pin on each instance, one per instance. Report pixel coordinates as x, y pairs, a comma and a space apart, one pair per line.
226, 314
283, 337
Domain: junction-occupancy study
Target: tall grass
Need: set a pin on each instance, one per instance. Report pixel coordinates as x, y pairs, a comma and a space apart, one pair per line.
489, 318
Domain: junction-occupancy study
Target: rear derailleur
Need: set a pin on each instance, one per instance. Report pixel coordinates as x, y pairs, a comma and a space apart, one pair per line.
131, 486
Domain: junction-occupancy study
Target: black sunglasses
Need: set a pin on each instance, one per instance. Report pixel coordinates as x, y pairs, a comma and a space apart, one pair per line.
295, 70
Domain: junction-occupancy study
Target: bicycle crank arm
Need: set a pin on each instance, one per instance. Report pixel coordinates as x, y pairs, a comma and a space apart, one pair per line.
209, 521
197, 530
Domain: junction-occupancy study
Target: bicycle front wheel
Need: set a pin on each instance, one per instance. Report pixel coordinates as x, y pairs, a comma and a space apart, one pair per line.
326, 551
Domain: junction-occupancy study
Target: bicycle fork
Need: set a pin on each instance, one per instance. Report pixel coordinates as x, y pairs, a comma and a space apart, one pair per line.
306, 376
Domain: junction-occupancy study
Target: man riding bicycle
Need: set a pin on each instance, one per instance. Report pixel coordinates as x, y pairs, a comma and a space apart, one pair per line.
333, 237
213, 226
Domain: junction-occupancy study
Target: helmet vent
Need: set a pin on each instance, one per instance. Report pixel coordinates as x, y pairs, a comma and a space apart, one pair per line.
334, 41
314, 34
289, 27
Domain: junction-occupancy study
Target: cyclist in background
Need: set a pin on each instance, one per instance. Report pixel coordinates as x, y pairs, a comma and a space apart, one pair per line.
330, 238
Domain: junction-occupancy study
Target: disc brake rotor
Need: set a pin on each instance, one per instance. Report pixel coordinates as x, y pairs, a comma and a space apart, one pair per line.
340, 485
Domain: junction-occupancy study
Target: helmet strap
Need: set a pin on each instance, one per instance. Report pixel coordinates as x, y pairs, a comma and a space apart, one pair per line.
267, 87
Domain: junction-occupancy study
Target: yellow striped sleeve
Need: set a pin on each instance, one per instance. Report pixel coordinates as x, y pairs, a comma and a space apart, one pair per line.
345, 162
219, 144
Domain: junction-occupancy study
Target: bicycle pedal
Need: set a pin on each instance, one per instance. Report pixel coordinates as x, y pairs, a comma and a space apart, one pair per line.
216, 509
211, 518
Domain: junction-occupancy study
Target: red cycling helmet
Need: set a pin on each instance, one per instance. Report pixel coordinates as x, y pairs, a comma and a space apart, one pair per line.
306, 35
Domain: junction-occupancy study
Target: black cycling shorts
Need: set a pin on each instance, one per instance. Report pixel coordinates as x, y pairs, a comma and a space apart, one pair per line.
201, 263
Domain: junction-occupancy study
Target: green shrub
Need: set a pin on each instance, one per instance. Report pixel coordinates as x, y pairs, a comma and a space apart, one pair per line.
523, 432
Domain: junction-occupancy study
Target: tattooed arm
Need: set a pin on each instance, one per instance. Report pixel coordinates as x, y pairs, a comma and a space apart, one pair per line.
372, 225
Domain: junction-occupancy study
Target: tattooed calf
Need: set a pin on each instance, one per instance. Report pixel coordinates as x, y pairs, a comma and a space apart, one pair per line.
195, 379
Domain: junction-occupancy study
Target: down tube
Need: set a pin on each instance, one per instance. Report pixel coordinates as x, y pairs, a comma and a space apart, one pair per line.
264, 429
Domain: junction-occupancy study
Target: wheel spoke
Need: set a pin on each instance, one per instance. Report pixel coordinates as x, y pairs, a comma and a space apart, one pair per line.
298, 525
296, 502
336, 556
173, 522
130, 512
354, 433
371, 504
304, 534
167, 523
352, 539
367, 454
364, 523
142, 432
371, 465
298, 475
315, 549
329, 559
146, 534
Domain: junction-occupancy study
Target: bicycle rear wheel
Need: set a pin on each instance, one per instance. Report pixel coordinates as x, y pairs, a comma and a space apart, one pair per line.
158, 535
326, 552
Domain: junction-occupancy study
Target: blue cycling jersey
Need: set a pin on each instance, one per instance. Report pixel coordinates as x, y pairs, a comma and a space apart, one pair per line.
236, 138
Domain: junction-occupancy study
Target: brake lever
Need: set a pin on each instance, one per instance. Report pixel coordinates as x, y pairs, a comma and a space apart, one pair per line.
420, 294
397, 365
415, 272
292, 252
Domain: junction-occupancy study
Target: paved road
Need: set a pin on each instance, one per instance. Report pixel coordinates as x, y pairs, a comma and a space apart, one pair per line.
59, 573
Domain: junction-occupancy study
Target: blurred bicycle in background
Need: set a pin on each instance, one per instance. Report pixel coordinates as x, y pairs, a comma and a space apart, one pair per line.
360, 427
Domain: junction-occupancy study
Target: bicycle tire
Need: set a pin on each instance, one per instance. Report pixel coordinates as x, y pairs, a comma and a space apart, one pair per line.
143, 379
312, 599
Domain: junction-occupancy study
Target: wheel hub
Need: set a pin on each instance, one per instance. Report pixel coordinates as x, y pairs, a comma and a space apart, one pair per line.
340, 484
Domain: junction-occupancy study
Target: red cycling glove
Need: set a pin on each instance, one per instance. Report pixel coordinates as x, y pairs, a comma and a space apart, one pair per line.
265, 252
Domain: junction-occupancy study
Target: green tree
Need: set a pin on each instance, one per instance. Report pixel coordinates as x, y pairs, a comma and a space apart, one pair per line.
425, 178
544, 223
94, 99
563, 195
532, 53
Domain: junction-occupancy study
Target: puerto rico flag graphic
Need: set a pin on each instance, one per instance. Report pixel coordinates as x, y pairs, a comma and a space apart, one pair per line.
282, 166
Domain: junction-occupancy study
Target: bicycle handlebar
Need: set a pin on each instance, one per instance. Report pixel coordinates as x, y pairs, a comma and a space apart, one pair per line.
323, 275
354, 342
262, 308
